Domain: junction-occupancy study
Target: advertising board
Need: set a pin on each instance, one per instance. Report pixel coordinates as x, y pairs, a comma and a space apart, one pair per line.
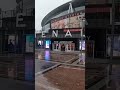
67, 21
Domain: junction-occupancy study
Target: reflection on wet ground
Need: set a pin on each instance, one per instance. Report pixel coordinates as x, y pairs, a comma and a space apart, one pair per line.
65, 77
17, 67
47, 55
17, 72
29, 70
68, 57
41, 65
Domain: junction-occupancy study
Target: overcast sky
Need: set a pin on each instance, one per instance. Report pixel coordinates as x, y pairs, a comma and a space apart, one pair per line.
43, 7
7, 4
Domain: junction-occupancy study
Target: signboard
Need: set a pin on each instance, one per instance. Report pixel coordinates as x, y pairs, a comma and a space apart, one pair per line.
68, 21
62, 33
29, 43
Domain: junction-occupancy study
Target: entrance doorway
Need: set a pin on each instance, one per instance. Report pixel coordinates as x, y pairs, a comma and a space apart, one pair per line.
90, 48
70, 47
55, 47
63, 46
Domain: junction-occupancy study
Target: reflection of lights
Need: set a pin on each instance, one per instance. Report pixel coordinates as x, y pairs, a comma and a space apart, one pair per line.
83, 45
40, 57
29, 62
47, 55
82, 58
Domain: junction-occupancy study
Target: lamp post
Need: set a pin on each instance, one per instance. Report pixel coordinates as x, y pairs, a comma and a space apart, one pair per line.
112, 34
112, 42
81, 20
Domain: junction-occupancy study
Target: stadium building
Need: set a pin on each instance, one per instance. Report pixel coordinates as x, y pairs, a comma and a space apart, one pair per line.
63, 28
98, 29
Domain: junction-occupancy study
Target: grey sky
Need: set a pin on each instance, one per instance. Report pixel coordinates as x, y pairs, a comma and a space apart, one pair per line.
43, 7
7, 4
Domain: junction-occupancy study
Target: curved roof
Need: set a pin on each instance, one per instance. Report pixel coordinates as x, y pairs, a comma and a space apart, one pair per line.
60, 9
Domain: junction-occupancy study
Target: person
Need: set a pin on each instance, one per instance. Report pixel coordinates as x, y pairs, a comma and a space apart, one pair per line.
63, 47
11, 47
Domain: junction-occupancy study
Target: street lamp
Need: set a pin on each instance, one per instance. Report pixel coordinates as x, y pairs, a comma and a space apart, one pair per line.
82, 25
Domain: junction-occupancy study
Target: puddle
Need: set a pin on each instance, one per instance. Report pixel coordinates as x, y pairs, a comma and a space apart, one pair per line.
42, 65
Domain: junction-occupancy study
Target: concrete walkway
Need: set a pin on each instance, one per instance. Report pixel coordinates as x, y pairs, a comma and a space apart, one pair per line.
9, 84
115, 76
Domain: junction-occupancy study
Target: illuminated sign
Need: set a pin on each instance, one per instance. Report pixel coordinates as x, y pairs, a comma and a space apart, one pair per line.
29, 43
47, 44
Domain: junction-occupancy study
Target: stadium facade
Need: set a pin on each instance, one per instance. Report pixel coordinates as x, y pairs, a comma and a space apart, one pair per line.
61, 28
97, 32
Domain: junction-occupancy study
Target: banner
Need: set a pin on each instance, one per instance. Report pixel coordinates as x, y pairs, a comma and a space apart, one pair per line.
71, 21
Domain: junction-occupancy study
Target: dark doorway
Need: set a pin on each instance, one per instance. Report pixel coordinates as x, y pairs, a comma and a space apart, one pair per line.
99, 38
62, 47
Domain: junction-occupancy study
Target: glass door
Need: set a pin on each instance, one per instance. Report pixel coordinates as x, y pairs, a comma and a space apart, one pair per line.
55, 46
70, 47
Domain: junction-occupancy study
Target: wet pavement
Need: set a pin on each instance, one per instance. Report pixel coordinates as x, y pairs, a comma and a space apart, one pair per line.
114, 83
54, 78
45, 61
115, 77
10, 84
42, 65
61, 78
62, 57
